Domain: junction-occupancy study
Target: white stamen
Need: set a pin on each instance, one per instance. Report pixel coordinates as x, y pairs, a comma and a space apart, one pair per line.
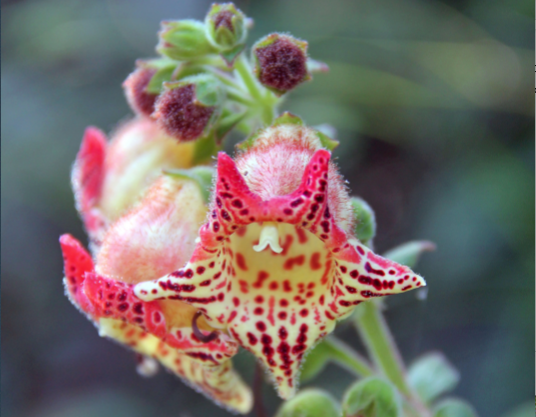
269, 236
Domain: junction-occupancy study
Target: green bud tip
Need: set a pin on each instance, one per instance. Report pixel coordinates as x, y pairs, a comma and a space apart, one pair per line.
183, 40
226, 26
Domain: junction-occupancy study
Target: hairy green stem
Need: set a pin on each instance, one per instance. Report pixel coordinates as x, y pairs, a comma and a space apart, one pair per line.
246, 74
263, 98
380, 344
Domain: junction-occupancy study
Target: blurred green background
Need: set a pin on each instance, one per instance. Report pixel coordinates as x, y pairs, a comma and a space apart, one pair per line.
433, 105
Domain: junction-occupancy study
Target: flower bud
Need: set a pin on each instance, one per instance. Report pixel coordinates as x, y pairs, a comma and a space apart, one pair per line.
371, 397
226, 29
187, 108
310, 403
135, 87
281, 62
365, 220
183, 40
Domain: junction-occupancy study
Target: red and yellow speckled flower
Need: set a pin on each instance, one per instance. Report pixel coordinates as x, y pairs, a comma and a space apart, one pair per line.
148, 239
276, 263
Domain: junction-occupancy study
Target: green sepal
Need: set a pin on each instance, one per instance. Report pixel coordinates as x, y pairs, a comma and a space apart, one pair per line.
209, 91
201, 175
272, 37
161, 76
326, 141
432, 375
409, 253
230, 55
288, 118
453, 407
184, 40
312, 402
248, 143
371, 397
365, 220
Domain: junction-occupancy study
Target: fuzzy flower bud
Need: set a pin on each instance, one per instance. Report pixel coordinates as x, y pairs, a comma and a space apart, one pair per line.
183, 40
187, 108
135, 87
226, 29
109, 177
281, 62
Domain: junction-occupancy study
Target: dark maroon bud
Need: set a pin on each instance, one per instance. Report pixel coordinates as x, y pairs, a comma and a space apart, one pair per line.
281, 62
135, 87
186, 109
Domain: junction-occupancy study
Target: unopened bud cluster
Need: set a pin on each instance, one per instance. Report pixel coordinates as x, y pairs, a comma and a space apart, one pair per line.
203, 85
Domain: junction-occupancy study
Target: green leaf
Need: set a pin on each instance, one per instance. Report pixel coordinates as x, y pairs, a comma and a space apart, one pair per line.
326, 141
333, 350
371, 397
409, 253
432, 375
161, 76
365, 220
310, 403
454, 407
288, 119
201, 175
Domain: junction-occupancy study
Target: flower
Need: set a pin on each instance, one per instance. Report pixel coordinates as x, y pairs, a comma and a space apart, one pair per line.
277, 263
109, 178
155, 237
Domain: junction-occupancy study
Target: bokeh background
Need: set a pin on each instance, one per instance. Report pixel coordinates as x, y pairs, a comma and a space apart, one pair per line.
432, 101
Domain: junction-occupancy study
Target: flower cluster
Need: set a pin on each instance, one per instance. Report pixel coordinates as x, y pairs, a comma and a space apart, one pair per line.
265, 251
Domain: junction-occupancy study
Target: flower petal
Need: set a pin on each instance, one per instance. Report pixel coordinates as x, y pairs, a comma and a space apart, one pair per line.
114, 299
87, 180
219, 383
142, 326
